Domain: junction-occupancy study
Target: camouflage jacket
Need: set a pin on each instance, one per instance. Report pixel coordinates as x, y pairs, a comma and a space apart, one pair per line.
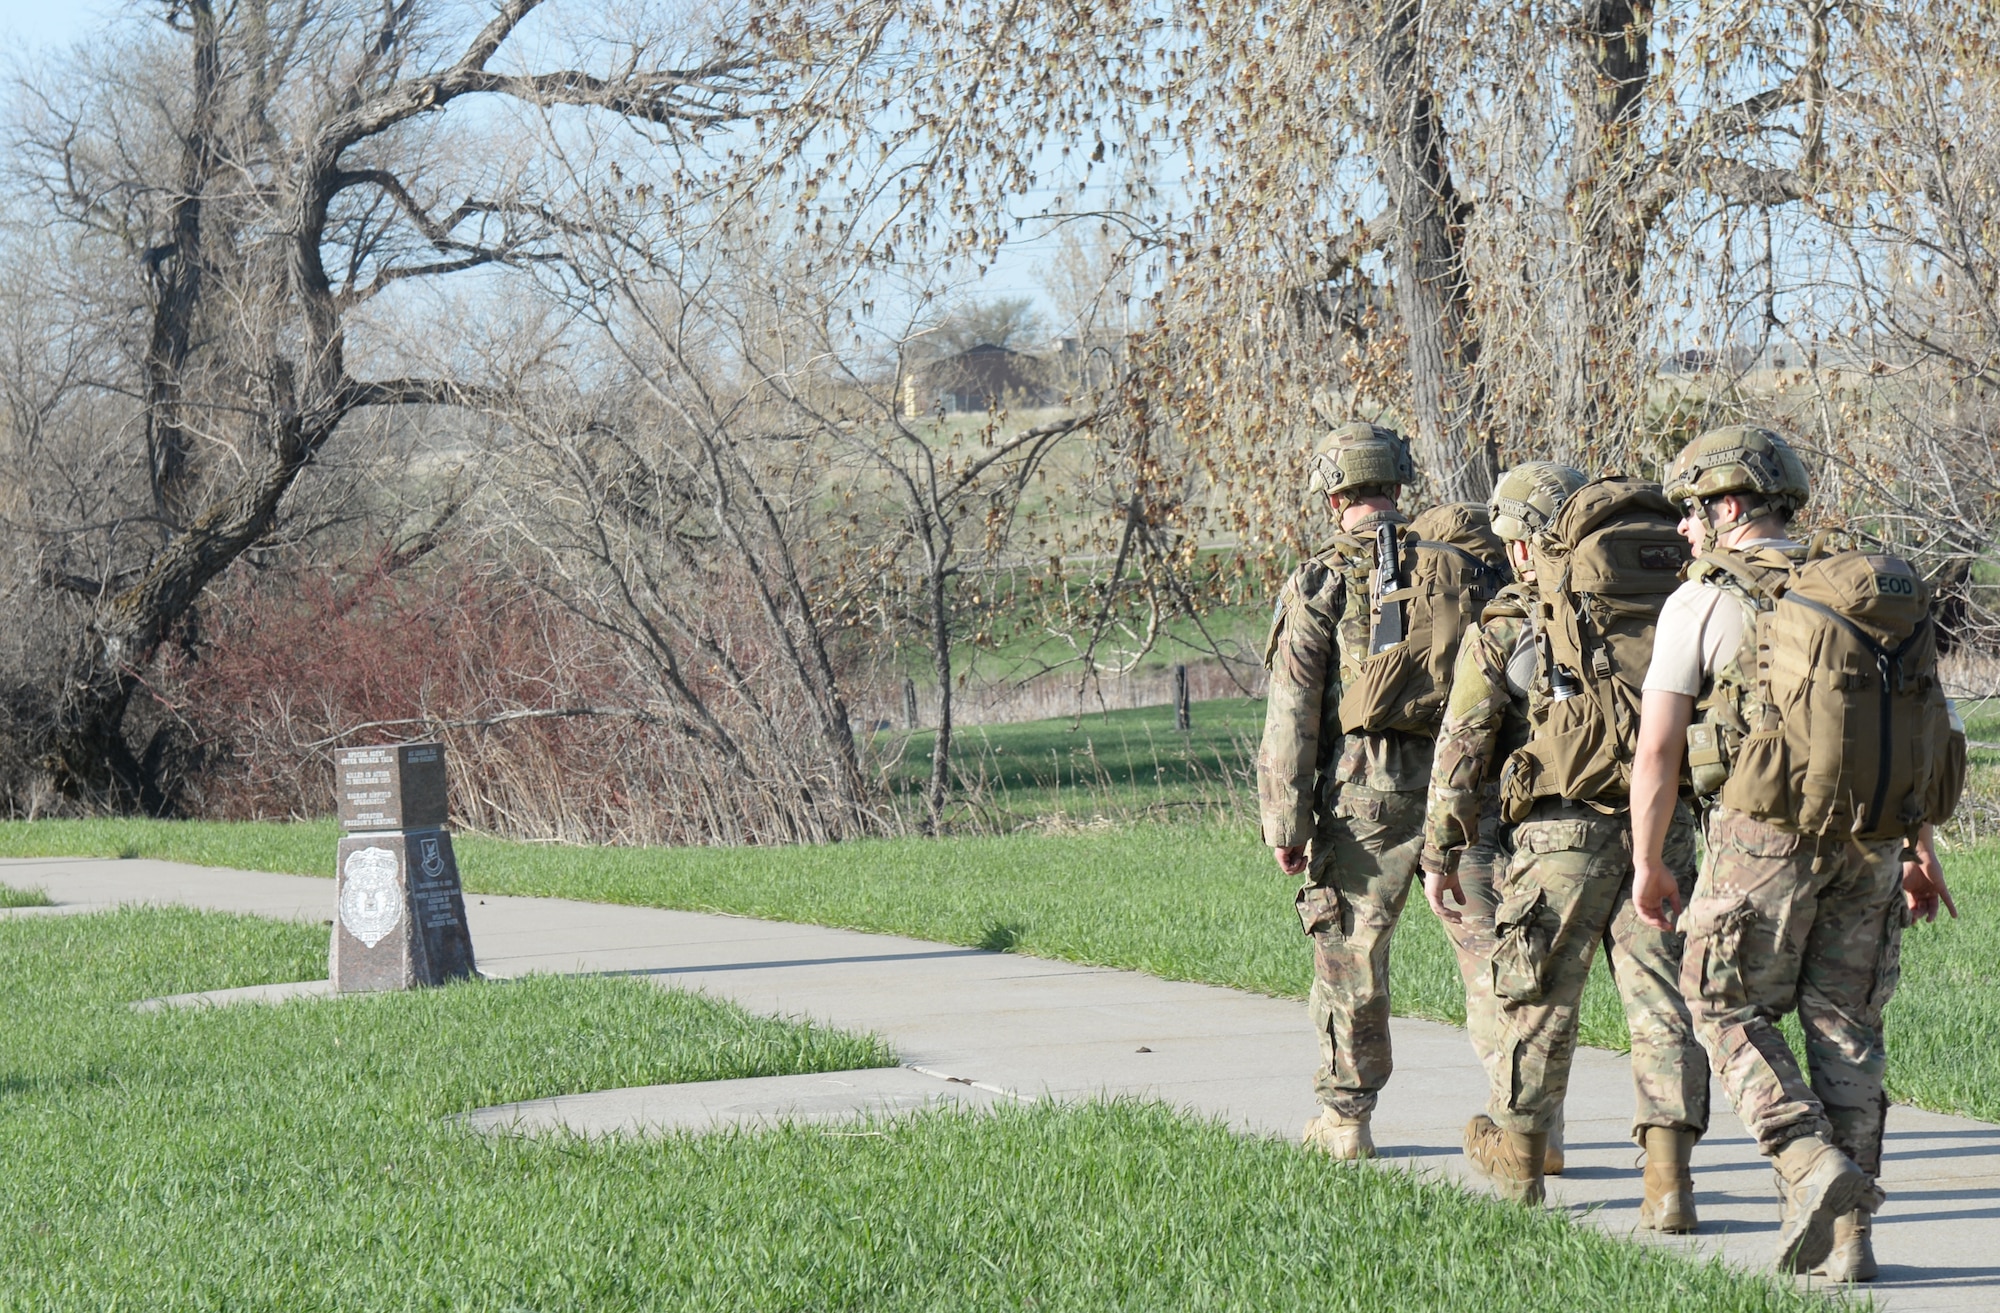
1485, 720
1319, 637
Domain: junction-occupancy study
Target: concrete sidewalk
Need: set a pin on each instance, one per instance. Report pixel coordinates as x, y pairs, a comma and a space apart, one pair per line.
1032, 1028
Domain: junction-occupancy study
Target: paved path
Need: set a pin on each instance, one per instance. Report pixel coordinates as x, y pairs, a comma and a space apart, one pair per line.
990, 1022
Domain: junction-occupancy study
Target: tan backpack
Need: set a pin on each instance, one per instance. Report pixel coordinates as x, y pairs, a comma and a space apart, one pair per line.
1853, 734
1453, 564
1603, 569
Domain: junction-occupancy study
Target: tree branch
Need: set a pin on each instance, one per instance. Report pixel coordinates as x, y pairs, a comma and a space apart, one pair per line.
1733, 180
1689, 161
644, 717
420, 392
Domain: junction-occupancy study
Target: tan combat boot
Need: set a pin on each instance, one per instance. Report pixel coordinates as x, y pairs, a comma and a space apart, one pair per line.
1669, 1204
1343, 1139
1512, 1161
1852, 1258
1818, 1185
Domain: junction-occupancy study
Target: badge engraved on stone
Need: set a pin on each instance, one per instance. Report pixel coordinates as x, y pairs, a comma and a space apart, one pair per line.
432, 861
371, 897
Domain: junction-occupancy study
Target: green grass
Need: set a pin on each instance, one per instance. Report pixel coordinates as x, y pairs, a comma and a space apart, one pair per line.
1020, 646
12, 897
1186, 902
1124, 764
303, 1157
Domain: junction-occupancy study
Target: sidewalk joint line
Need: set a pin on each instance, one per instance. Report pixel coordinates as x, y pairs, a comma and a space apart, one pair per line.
797, 962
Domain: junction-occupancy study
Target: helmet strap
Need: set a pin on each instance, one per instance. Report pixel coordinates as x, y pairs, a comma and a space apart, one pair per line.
1719, 524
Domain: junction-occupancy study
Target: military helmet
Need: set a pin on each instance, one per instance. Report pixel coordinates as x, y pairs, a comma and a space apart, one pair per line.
1528, 496
1742, 458
1360, 455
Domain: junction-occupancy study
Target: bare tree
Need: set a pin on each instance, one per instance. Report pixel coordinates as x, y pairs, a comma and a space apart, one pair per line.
271, 186
696, 273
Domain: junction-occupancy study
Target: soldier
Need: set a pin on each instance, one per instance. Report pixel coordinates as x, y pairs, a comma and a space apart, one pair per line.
1486, 719
1611, 557
1354, 701
1803, 900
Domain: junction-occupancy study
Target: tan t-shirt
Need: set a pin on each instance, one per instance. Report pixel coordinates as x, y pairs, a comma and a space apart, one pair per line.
1699, 627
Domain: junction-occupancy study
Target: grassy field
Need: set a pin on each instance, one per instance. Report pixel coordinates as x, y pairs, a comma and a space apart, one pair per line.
1188, 902
1129, 765
1020, 644
303, 1157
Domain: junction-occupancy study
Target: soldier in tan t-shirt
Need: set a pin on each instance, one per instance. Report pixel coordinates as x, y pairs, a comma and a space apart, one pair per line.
1779, 919
1700, 627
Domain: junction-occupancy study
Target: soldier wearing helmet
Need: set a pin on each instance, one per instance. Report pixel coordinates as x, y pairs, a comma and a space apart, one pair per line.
1779, 918
1362, 462
1569, 859
1341, 781
1755, 468
1485, 720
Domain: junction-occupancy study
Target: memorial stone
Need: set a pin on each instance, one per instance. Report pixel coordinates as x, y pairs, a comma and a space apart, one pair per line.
391, 788
400, 913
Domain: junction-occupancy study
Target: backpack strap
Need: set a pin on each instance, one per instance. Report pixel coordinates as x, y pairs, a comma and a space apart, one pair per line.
1762, 583
1881, 654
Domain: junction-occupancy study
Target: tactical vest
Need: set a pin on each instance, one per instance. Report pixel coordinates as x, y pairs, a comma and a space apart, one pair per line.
1732, 701
1845, 729
1603, 569
1449, 564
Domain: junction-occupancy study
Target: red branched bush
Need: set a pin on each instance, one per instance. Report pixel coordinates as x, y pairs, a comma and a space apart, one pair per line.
552, 733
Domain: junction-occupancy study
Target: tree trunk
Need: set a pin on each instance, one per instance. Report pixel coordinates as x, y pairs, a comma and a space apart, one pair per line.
174, 278
941, 665
1452, 443
1601, 397
89, 754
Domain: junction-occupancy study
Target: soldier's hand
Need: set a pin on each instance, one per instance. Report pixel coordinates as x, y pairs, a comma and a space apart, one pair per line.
1437, 882
1924, 887
1291, 860
1654, 890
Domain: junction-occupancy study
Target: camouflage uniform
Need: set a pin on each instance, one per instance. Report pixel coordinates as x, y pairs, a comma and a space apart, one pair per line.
1566, 889
1782, 921
1485, 719
1357, 800
1569, 890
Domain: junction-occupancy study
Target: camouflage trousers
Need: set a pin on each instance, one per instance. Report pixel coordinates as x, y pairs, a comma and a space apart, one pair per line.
1479, 871
1568, 891
1362, 864
1781, 921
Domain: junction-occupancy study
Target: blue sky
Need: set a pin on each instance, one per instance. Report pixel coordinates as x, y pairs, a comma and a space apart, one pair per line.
27, 25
